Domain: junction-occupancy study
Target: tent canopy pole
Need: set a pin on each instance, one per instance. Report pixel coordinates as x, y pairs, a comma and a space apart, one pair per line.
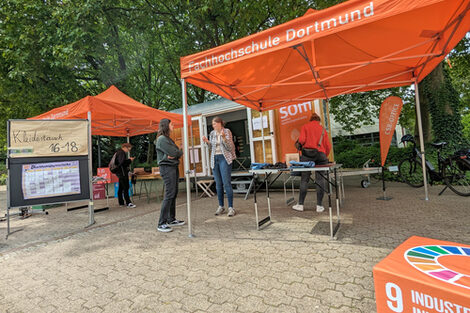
421, 140
186, 156
91, 207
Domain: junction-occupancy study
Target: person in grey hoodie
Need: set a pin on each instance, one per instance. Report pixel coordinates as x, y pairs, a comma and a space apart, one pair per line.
168, 155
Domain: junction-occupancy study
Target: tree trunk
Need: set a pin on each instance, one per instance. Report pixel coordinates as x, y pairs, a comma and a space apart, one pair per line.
442, 103
425, 116
151, 148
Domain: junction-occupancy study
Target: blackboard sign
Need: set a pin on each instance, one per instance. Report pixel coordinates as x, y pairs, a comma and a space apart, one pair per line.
48, 161
48, 180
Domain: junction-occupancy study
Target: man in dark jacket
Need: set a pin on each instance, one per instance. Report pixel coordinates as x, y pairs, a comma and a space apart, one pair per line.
122, 164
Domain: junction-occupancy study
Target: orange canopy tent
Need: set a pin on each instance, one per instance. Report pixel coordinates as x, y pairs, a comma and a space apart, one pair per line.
113, 113
359, 45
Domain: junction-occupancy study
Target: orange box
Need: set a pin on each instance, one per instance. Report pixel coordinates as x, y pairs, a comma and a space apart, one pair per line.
105, 173
424, 275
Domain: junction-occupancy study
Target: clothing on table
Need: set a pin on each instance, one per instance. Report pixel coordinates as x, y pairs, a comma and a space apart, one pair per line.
223, 175
320, 180
278, 165
310, 135
122, 165
170, 175
258, 166
227, 146
307, 164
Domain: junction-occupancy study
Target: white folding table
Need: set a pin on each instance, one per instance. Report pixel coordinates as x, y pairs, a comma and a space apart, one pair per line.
331, 177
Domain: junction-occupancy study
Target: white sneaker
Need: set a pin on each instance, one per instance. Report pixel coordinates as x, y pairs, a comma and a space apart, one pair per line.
298, 207
164, 228
231, 212
219, 210
131, 205
320, 208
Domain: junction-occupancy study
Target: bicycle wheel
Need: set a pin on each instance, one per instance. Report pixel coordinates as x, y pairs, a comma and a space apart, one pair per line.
457, 179
411, 173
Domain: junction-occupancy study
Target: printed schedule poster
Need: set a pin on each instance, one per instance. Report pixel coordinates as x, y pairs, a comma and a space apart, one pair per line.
42, 180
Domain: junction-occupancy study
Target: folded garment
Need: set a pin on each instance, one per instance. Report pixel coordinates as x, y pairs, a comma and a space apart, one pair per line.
308, 164
259, 166
278, 165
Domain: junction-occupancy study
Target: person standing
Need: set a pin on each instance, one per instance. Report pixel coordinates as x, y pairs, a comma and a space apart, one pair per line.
315, 147
222, 154
122, 172
168, 155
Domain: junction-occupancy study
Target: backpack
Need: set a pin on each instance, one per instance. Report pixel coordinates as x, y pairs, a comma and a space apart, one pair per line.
112, 164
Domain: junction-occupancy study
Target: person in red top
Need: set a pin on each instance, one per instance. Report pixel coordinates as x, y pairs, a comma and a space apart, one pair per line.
315, 147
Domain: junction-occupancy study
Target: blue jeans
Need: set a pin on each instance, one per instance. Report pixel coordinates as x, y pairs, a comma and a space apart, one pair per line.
223, 175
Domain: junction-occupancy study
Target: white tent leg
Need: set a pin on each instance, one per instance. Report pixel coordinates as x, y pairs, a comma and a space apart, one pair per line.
91, 206
262, 137
186, 156
421, 141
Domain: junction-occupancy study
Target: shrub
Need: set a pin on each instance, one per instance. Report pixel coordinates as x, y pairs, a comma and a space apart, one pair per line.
352, 155
3, 179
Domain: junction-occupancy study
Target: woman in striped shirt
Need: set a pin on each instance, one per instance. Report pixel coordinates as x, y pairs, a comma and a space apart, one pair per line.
222, 154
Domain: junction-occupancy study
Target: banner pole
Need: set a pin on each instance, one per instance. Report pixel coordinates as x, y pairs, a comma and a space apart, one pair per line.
8, 180
91, 207
383, 180
384, 197
421, 140
186, 156
99, 151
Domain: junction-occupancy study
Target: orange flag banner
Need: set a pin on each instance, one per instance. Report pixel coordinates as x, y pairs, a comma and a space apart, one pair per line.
388, 118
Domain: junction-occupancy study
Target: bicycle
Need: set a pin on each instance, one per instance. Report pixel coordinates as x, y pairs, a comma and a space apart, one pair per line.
454, 170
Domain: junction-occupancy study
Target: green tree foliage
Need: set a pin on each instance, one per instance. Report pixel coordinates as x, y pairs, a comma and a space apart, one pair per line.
444, 105
352, 111
459, 72
466, 126
53, 52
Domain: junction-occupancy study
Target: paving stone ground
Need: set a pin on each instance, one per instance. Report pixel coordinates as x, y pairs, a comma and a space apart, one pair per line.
123, 264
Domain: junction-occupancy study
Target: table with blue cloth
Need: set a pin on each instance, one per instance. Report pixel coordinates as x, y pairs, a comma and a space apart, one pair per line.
298, 167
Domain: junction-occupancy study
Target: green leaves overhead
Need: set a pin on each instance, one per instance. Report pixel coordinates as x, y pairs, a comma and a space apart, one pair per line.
53, 52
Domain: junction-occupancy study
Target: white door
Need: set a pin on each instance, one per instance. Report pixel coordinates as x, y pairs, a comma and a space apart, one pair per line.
261, 128
198, 157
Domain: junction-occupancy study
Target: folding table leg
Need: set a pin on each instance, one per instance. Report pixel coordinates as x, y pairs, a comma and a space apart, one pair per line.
146, 191
250, 187
269, 199
337, 193
140, 189
256, 204
329, 206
